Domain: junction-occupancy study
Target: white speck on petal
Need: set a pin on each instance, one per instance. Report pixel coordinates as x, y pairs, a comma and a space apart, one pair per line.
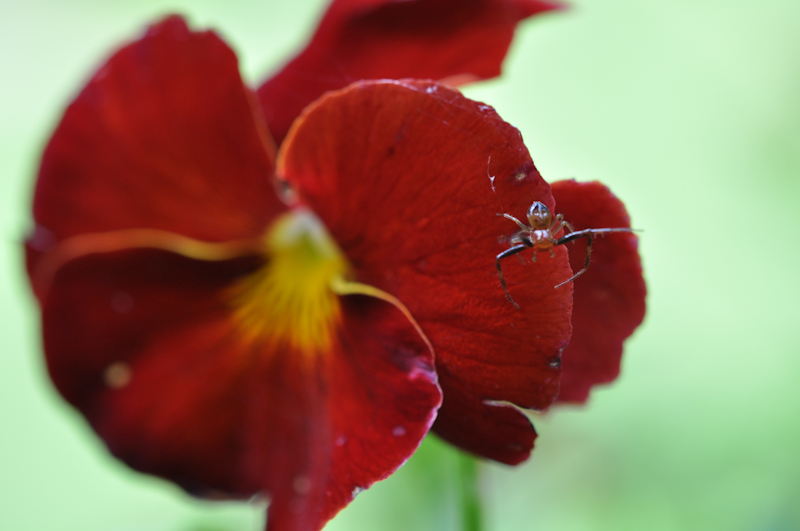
357, 491
42, 239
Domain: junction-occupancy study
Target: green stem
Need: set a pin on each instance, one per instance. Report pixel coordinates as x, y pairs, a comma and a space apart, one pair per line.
470, 499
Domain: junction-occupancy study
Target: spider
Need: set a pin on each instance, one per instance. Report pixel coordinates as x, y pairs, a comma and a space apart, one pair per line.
540, 235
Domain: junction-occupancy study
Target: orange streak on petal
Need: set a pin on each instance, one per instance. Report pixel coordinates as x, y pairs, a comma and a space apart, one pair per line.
346, 287
107, 242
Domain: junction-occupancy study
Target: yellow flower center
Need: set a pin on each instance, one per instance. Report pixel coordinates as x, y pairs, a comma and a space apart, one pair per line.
291, 301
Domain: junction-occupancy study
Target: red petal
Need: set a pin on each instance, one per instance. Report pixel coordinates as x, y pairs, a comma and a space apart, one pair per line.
609, 297
103, 309
497, 431
411, 192
143, 344
384, 39
163, 136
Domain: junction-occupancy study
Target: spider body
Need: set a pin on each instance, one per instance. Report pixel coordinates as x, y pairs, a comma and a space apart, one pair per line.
540, 235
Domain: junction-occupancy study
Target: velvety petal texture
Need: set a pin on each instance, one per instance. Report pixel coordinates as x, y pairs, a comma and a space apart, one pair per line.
609, 299
164, 144
375, 39
419, 180
154, 361
163, 136
216, 337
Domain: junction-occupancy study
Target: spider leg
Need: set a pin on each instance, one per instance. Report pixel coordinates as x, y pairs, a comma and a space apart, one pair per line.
589, 238
586, 232
589, 234
559, 224
513, 240
508, 252
515, 220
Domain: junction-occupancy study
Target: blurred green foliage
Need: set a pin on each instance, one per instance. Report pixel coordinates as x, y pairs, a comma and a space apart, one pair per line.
690, 111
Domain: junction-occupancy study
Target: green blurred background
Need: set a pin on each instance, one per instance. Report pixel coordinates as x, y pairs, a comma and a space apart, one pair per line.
689, 110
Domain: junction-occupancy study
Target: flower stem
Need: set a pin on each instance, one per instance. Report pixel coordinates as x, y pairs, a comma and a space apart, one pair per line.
470, 500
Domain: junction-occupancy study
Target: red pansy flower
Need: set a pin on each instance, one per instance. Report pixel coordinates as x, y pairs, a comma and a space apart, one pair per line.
298, 342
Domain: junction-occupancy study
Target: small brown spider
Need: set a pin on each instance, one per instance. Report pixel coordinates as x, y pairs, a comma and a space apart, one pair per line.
540, 235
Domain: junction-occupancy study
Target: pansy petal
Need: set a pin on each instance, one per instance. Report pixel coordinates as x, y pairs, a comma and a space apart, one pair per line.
494, 430
155, 359
163, 136
609, 297
376, 39
103, 311
412, 194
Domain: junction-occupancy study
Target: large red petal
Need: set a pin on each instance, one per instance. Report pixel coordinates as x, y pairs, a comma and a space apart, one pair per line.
609, 297
384, 39
143, 343
163, 136
411, 192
